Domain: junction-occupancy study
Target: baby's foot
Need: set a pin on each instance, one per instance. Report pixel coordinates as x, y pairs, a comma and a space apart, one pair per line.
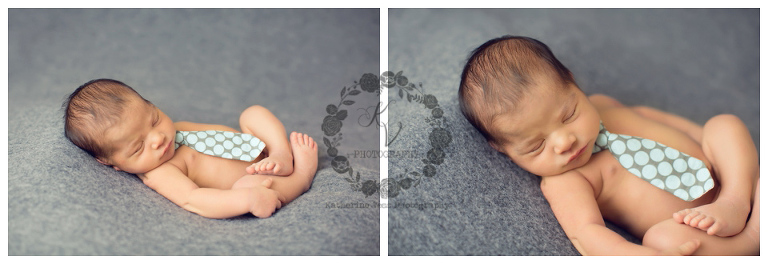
721, 218
304, 155
274, 164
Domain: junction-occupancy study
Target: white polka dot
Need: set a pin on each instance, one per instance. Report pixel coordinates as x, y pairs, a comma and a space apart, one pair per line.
657, 155
226, 155
694, 163
688, 179
246, 147
625, 136
191, 139
208, 152
228, 144
210, 142
680, 165
200, 146
702, 174
255, 153
658, 183
179, 137
237, 140
696, 191
219, 137
612, 137
228, 134
255, 141
237, 152
618, 147
671, 153
202, 135
633, 144
649, 144
211, 132
246, 137
636, 172
665, 168
709, 184
672, 182
681, 194
649, 171
246, 158
218, 149
262, 145
602, 140
626, 160
641, 158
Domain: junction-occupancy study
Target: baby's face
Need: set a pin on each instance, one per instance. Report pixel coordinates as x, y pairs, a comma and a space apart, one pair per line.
142, 140
551, 132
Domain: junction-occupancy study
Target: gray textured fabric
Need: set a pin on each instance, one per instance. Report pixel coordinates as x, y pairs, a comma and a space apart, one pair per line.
694, 63
293, 62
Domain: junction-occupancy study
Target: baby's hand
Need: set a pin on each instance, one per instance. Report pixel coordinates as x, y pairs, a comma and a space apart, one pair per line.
686, 249
265, 200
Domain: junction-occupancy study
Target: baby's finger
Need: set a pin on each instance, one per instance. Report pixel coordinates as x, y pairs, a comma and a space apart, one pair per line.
687, 248
267, 183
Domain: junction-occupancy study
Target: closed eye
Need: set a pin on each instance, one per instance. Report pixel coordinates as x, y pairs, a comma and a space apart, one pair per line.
571, 115
537, 147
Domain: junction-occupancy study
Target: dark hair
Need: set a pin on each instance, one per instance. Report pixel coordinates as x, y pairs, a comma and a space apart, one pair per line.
499, 73
91, 109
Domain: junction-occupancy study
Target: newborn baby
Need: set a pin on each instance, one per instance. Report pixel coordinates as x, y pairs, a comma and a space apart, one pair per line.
121, 129
527, 105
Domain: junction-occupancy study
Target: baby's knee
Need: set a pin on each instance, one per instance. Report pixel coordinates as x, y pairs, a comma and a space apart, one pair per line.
254, 111
726, 120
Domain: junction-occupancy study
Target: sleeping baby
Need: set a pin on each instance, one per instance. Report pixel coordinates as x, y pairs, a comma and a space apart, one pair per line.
211, 170
685, 189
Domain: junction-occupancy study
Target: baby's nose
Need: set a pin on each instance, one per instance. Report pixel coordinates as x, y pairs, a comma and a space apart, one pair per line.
565, 143
158, 141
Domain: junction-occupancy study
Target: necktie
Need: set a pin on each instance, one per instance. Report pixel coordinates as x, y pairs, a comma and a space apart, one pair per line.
664, 167
223, 144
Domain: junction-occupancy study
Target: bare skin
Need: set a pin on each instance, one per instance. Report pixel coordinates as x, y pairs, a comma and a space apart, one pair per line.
727, 215
209, 186
260, 122
584, 188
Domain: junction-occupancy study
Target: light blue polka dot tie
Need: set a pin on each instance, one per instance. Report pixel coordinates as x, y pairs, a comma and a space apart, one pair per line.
667, 168
223, 144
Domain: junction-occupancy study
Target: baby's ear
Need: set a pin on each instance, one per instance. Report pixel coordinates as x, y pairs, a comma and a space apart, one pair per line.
106, 163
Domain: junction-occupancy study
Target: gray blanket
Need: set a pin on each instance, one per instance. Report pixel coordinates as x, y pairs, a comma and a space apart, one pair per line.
471, 200
202, 66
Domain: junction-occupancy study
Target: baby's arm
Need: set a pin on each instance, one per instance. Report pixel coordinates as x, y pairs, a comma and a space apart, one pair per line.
573, 201
688, 127
170, 182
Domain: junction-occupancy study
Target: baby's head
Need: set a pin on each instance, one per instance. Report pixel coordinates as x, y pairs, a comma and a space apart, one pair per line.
108, 119
527, 105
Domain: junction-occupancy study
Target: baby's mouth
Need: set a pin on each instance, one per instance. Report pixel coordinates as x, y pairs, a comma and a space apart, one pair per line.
577, 155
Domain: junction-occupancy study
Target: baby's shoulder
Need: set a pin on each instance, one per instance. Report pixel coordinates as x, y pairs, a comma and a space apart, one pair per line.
600, 168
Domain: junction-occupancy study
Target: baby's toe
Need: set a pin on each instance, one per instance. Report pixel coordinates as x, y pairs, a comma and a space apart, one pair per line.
706, 223
695, 221
690, 217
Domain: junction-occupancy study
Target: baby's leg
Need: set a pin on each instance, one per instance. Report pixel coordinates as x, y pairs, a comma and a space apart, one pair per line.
305, 155
260, 122
728, 146
670, 234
